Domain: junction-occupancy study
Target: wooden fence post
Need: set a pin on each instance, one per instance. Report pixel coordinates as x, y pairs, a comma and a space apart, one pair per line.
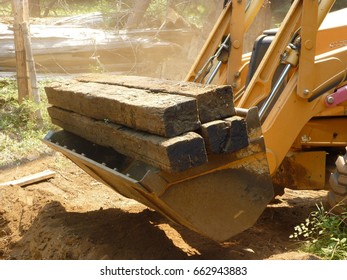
31, 70
21, 15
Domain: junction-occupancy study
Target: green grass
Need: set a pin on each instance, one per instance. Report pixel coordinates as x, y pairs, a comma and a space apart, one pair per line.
324, 234
20, 132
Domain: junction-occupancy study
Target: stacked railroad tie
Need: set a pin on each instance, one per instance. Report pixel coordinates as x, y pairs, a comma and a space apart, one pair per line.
171, 125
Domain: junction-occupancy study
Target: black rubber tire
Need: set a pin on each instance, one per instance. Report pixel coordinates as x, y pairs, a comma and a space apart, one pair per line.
337, 196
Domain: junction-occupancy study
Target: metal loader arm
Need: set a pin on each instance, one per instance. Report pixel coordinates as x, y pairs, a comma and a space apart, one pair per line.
311, 79
292, 112
234, 21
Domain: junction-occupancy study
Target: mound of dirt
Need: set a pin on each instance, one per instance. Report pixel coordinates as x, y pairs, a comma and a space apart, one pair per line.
72, 216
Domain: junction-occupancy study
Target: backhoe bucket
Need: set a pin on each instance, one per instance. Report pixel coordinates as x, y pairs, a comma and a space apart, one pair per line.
218, 199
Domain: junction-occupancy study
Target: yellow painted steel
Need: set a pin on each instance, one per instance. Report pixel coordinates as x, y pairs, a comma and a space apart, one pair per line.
292, 110
302, 171
322, 132
233, 18
322, 63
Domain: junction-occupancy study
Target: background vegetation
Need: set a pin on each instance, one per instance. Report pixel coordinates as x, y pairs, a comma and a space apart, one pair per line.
324, 233
20, 133
195, 11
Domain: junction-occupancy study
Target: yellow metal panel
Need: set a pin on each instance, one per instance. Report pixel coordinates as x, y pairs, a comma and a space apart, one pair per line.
323, 132
302, 171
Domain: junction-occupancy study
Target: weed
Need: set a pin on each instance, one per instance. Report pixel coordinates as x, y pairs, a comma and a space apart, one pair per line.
20, 133
324, 234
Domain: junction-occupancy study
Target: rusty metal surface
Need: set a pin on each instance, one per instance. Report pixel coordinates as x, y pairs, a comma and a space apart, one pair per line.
302, 171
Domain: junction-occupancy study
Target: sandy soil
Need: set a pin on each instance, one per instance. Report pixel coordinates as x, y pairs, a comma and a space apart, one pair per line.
72, 216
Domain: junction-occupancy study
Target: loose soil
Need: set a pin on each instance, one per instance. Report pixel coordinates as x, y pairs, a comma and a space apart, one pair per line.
72, 216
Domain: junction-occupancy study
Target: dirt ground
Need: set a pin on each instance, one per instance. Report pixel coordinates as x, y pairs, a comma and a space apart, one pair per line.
72, 216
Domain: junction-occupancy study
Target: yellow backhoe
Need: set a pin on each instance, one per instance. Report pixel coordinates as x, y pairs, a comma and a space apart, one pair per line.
291, 92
